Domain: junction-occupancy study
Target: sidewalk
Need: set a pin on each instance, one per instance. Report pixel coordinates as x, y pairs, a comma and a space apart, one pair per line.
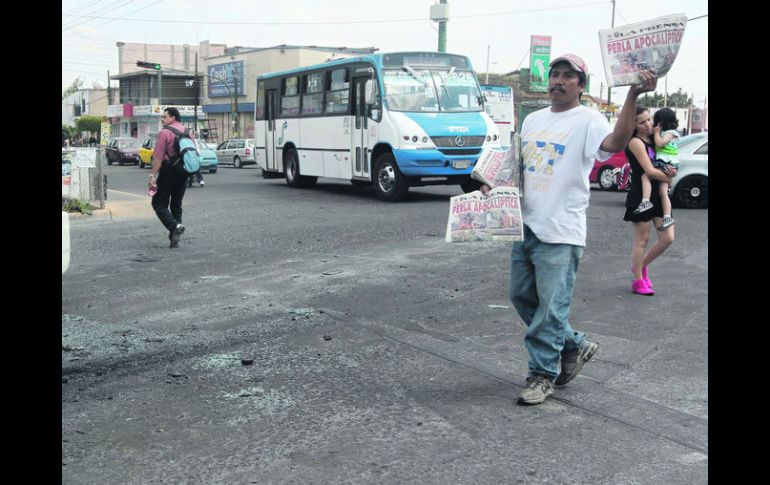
119, 205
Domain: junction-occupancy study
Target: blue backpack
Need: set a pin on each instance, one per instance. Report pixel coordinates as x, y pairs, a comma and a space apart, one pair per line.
187, 160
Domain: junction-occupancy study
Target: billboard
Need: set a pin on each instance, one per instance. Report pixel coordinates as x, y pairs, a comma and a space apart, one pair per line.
539, 58
222, 79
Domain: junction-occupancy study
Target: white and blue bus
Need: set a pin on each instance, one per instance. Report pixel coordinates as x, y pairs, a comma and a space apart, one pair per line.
391, 120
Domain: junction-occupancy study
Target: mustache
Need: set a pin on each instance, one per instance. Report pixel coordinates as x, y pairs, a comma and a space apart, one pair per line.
556, 88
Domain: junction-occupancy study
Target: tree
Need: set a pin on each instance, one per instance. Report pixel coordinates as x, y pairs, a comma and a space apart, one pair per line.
89, 123
67, 132
75, 86
679, 99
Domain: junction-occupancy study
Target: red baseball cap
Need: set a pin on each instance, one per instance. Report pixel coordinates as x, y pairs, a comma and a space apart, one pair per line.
574, 61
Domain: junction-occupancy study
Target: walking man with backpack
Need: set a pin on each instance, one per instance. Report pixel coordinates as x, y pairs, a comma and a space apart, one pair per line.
169, 182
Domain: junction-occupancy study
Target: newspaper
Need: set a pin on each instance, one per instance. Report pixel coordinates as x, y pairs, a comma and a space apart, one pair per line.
495, 216
652, 44
500, 167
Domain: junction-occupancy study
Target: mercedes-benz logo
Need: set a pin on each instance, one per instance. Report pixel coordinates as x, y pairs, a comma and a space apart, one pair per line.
459, 141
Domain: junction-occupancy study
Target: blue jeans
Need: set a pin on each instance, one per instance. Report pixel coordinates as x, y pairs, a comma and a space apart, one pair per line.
542, 280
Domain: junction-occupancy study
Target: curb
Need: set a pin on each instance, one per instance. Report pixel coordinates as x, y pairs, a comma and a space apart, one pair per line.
95, 214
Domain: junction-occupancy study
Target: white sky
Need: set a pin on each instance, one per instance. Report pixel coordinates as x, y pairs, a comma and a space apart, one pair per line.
88, 44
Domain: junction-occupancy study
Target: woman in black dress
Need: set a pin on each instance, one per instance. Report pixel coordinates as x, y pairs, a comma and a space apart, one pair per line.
640, 152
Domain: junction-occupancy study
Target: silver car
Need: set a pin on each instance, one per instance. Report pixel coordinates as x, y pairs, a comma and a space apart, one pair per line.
690, 187
236, 151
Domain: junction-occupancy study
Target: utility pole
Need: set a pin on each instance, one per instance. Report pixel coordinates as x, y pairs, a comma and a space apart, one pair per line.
235, 102
609, 89
440, 13
486, 80
109, 90
197, 92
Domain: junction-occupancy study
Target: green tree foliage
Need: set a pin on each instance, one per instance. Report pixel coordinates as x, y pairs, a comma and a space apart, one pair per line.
67, 131
679, 99
89, 123
76, 84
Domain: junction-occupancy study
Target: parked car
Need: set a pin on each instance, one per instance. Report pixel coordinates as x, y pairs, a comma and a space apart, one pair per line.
122, 150
603, 174
145, 151
690, 187
208, 156
236, 151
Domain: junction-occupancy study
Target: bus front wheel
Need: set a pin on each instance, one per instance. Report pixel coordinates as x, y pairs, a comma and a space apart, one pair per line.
390, 184
291, 171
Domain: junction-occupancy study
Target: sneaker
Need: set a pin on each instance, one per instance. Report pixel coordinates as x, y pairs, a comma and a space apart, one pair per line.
667, 221
537, 390
645, 275
640, 288
175, 235
572, 362
644, 205
203, 184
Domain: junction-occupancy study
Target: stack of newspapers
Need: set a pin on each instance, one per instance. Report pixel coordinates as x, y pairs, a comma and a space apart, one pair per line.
496, 215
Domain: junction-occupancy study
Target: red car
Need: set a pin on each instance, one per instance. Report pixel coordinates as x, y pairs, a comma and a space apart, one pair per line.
603, 174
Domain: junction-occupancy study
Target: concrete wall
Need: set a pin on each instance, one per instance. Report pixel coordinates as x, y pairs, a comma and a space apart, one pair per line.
169, 56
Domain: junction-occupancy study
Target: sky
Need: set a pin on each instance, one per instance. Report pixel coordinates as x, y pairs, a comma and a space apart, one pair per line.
502, 28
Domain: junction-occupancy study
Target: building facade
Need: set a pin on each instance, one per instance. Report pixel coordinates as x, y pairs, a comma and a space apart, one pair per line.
84, 102
143, 94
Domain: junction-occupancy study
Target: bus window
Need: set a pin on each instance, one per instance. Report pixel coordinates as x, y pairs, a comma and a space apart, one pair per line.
290, 86
338, 98
313, 101
260, 105
339, 79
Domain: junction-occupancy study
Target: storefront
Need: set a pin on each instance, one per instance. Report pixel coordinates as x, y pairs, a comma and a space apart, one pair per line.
139, 121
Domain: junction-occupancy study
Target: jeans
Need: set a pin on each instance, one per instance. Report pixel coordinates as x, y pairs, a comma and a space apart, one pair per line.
542, 280
171, 189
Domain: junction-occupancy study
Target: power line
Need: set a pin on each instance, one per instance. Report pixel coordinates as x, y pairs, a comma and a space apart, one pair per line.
103, 10
341, 22
81, 8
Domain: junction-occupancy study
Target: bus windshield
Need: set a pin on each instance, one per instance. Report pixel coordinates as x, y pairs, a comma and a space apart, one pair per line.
431, 90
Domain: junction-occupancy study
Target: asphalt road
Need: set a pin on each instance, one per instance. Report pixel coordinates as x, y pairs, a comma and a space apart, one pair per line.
380, 352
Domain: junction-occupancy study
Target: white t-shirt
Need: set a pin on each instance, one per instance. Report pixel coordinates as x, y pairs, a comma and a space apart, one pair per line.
559, 151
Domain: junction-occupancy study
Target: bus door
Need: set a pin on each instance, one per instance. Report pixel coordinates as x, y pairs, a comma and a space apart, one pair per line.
360, 142
271, 161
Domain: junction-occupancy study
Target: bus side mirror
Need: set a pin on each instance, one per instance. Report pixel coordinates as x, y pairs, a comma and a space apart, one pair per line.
369, 92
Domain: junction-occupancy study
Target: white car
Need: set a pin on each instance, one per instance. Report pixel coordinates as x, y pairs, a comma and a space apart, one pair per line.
690, 187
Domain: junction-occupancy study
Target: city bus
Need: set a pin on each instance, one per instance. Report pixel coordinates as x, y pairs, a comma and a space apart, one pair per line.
392, 120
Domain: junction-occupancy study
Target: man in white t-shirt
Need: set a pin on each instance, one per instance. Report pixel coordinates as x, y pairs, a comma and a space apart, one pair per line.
559, 145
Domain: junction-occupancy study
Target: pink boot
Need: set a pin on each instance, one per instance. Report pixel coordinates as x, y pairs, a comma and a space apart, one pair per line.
646, 277
640, 288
